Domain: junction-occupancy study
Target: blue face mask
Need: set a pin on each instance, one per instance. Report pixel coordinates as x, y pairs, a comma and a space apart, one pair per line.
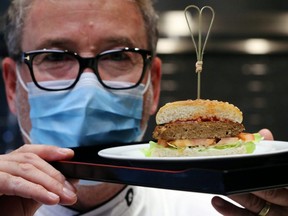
85, 115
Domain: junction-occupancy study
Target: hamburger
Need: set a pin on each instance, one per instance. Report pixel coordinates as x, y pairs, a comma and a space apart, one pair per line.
200, 128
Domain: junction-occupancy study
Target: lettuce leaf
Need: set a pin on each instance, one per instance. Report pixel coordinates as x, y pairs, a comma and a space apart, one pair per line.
148, 151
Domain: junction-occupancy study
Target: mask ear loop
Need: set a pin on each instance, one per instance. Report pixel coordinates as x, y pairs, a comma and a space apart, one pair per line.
20, 78
147, 83
201, 47
143, 92
24, 133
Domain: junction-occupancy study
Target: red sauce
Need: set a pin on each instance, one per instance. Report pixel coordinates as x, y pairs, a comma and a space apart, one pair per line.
201, 119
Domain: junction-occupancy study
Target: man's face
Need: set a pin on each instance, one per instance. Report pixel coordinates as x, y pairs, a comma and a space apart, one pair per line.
87, 27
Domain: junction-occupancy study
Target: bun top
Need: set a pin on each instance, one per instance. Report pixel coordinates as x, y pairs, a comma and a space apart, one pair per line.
194, 109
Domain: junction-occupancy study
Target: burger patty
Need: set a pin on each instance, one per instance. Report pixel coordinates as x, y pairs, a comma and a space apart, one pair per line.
197, 130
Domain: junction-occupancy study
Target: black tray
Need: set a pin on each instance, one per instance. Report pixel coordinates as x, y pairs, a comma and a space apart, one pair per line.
221, 176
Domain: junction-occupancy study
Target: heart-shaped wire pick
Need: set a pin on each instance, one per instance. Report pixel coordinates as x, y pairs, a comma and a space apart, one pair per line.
201, 46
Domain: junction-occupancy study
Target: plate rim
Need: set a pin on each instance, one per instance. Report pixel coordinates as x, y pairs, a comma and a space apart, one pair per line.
105, 153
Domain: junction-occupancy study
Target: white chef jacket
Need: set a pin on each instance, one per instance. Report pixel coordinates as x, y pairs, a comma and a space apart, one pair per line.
144, 201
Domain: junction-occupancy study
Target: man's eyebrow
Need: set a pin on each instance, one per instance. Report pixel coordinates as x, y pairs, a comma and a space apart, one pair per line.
61, 43
69, 44
121, 41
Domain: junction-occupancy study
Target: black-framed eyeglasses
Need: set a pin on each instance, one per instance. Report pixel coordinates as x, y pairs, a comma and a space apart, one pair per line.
126, 65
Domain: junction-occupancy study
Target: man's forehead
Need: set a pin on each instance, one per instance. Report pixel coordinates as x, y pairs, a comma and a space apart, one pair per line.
70, 19
75, 4
87, 7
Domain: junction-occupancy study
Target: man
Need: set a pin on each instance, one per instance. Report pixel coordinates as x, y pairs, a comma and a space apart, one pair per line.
81, 72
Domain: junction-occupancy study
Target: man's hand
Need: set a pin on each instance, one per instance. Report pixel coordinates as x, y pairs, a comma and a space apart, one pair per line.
254, 202
266, 134
27, 179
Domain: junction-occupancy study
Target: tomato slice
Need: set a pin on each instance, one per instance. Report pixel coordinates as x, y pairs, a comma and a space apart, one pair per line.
228, 140
246, 137
191, 142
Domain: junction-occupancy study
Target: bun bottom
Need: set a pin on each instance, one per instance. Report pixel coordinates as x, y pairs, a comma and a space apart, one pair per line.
196, 152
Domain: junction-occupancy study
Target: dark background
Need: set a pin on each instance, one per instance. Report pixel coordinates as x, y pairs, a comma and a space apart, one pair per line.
256, 83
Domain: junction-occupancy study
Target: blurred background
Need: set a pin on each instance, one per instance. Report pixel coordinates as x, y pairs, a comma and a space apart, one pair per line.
245, 62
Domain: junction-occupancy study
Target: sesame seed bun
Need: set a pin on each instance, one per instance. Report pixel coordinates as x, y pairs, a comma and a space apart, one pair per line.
194, 109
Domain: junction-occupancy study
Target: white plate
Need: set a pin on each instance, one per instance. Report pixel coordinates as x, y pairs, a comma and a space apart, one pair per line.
134, 152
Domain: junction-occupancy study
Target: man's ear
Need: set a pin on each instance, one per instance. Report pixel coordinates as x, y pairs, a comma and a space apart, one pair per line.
10, 80
156, 74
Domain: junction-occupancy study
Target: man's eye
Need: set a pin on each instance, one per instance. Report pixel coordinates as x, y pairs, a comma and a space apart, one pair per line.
55, 57
116, 57
52, 58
